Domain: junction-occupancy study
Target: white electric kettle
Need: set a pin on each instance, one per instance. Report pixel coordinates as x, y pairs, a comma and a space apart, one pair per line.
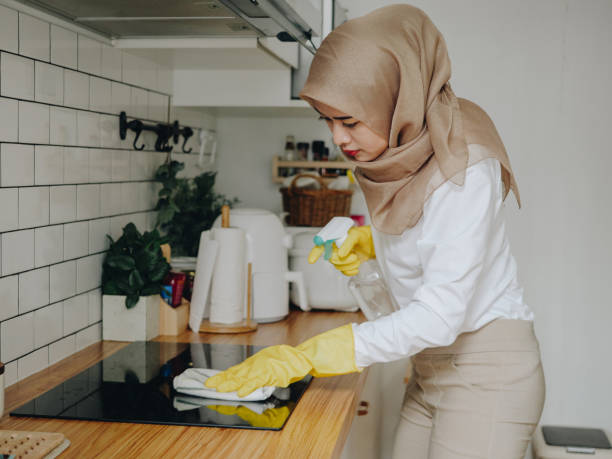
268, 244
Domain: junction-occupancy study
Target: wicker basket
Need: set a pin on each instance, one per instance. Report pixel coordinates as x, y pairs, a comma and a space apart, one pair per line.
314, 207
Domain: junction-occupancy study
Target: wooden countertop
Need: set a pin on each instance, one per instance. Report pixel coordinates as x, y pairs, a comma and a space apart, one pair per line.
317, 428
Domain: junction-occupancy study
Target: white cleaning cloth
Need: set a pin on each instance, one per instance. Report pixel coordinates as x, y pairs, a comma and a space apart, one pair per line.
191, 382
187, 402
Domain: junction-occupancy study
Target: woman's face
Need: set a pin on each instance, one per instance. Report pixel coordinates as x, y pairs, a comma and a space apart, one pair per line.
354, 138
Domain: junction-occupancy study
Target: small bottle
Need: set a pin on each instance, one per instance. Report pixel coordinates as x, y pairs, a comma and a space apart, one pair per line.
302, 148
302, 152
290, 154
317, 150
324, 157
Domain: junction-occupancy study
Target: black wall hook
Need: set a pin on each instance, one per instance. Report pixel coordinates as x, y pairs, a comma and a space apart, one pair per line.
164, 133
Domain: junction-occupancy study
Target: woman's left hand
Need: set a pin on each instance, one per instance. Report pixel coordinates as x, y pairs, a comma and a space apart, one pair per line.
327, 354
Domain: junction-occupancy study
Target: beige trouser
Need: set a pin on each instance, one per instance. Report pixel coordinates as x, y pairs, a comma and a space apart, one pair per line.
480, 397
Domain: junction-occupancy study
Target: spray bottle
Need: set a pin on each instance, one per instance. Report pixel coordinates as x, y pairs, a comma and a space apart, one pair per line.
368, 286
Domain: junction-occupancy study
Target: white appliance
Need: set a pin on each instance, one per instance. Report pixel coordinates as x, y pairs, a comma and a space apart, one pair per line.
326, 287
267, 244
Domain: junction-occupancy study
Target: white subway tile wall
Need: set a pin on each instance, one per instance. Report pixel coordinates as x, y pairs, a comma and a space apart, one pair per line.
17, 251
9, 292
17, 76
48, 245
48, 324
8, 120
33, 362
66, 181
88, 336
63, 348
62, 281
33, 122
33, 289
9, 217
48, 163
34, 37
16, 164
33, 206
63, 47
63, 126
48, 83
89, 55
76, 89
9, 29
100, 95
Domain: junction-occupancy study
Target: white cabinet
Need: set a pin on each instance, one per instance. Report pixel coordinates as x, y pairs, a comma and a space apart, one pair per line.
363, 441
373, 430
223, 72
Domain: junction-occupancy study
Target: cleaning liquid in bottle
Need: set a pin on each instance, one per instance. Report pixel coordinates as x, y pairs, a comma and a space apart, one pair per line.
368, 287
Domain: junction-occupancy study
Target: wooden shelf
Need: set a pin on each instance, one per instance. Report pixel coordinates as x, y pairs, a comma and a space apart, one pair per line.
278, 163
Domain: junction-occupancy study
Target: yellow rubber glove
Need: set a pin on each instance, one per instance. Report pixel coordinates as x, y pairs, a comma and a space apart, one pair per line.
271, 418
328, 354
357, 248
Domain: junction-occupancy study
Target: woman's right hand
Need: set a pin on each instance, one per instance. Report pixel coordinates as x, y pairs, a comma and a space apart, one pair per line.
357, 248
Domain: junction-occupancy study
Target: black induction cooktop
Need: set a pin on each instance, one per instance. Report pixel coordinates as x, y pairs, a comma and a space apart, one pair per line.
135, 385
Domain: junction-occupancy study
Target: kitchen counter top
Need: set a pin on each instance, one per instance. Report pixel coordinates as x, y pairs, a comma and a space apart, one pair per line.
317, 428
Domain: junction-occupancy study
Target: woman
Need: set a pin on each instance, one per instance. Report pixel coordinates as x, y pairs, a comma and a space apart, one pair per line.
434, 173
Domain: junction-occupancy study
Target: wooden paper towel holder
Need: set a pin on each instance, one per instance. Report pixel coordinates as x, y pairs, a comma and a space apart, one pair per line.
246, 325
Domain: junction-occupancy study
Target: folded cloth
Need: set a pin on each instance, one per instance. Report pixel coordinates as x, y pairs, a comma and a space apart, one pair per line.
188, 402
191, 382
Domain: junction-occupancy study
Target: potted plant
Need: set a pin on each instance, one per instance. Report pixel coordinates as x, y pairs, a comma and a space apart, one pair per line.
186, 207
132, 275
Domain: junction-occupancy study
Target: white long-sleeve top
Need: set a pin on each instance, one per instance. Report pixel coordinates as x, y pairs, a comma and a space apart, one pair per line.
451, 273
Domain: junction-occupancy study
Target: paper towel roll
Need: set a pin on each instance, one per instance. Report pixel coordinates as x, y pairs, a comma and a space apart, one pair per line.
227, 291
207, 255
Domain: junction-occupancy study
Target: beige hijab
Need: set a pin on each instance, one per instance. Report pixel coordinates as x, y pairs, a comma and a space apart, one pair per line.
390, 70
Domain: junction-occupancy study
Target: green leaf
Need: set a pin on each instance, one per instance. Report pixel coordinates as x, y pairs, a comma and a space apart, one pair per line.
151, 289
131, 300
122, 262
159, 272
165, 215
111, 288
173, 206
124, 287
164, 192
135, 280
146, 259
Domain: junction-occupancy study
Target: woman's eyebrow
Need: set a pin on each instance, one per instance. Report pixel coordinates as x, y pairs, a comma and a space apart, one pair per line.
334, 117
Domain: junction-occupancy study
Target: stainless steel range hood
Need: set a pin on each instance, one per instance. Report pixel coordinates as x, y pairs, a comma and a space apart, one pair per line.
299, 19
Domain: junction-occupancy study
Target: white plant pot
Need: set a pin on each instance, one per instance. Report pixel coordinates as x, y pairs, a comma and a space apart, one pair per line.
140, 323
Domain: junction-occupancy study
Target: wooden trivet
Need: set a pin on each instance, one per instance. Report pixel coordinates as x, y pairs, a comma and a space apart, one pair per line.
32, 445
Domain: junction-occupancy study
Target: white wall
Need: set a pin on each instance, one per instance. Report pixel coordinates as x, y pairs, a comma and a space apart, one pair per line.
542, 70
248, 144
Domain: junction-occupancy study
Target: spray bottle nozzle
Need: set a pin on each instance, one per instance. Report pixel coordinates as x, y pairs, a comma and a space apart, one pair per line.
328, 245
335, 231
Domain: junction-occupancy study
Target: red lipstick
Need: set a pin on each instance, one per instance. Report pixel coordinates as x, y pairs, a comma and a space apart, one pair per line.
350, 152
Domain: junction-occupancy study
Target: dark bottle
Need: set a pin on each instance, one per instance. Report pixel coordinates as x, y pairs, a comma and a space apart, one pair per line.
318, 149
289, 154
